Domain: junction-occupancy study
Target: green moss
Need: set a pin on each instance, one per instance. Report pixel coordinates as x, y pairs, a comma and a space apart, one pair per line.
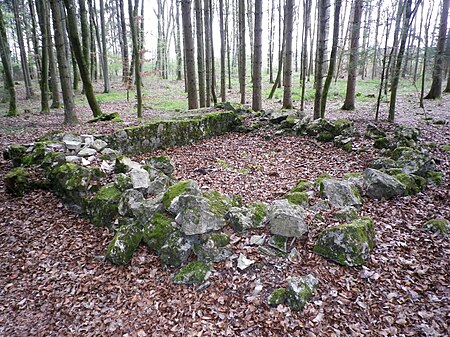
156, 234
219, 203
409, 182
102, 209
435, 177
123, 245
15, 153
347, 147
176, 250
193, 273
277, 297
259, 212
394, 171
321, 178
220, 239
352, 175
381, 143
342, 124
445, 148
17, 181
399, 151
302, 186
325, 136
347, 244
299, 291
438, 226
278, 242
297, 198
174, 191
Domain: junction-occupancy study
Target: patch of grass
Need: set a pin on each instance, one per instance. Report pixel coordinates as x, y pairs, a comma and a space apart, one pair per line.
116, 96
168, 105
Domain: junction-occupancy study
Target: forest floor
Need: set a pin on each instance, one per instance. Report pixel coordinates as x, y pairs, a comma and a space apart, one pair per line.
54, 280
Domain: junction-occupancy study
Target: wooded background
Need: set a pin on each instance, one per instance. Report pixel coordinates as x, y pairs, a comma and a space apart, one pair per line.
213, 45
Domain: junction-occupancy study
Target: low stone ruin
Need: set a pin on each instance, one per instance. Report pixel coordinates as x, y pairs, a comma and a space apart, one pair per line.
142, 203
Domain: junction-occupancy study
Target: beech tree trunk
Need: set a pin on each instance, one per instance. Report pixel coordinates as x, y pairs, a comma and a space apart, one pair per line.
43, 81
257, 58
287, 79
200, 52
70, 115
107, 86
208, 53
133, 13
306, 28
7, 70
349, 103
436, 85
72, 28
189, 54
242, 57
222, 53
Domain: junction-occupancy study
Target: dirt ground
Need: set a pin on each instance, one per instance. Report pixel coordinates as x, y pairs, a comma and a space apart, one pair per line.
54, 280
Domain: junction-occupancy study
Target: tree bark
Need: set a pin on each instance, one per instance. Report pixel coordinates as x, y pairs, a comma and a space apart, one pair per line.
200, 52
72, 28
23, 53
349, 103
436, 85
107, 86
287, 78
189, 54
133, 13
306, 28
208, 53
43, 81
7, 70
52, 67
125, 57
257, 58
242, 57
70, 115
222, 54
178, 42
326, 87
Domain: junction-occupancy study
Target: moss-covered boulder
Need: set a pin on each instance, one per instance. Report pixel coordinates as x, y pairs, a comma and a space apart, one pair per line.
176, 250
174, 191
162, 163
300, 290
438, 225
435, 177
406, 136
380, 185
277, 297
374, 132
124, 164
247, 217
195, 272
383, 163
125, 242
340, 193
102, 209
213, 248
416, 162
302, 186
17, 181
297, 198
15, 153
157, 231
382, 143
133, 204
413, 184
347, 244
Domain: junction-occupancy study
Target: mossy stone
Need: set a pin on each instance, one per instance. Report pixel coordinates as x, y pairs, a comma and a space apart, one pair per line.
302, 186
176, 250
175, 191
278, 242
17, 181
300, 290
15, 153
220, 239
297, 198
400, 151
102, 209
277, 297
122, 247
157, 231
193, 273
321, 178
441, 226
258, 213
435, 177
445, 148
352, 175
411, 187
347, 244
219, 204
394, 171
381, 143
325, 136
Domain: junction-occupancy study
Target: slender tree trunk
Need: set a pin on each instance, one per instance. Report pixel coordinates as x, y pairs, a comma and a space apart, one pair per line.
208, 61
227, 6
23, 53
306, 28
70, 115
436, 85
287, 79
383, 69
250, 29
133, 13
54, 85
200, 52
242, 57
419, 39
394, 50
222, 54
178, 41
213, 67
425, 57
270, 56
5, 55
408, 15
326, 87
107, 86
43, 82
78, 52
375, 46
189, 54
257, 58
36, 53
126, 74
349, 103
